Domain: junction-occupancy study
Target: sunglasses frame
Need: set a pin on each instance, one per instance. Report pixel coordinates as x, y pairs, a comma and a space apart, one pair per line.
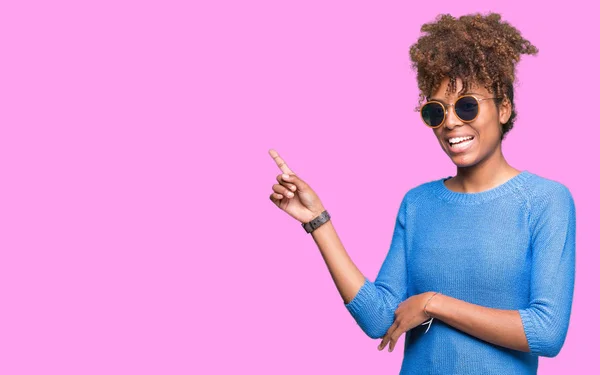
445, 107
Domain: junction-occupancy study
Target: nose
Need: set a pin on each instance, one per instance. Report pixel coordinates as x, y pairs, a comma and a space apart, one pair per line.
451, 119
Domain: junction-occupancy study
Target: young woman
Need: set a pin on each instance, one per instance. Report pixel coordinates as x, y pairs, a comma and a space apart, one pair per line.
480, 270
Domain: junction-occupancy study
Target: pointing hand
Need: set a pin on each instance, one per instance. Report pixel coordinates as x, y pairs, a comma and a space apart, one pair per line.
293, 195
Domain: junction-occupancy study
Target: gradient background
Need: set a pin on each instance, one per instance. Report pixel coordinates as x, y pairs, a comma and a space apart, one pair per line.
136, 231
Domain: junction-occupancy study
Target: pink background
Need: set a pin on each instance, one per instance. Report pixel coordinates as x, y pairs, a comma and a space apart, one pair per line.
136, 231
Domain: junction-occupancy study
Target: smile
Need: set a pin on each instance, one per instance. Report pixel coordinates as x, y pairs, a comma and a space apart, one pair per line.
461, 146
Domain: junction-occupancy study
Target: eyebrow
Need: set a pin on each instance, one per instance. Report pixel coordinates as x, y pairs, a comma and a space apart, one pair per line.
440, 100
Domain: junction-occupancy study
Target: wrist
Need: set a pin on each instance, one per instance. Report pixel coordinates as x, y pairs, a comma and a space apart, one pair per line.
428, 307
318, 220
315, 214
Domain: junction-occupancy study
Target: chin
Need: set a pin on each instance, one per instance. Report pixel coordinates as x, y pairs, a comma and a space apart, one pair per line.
464, 161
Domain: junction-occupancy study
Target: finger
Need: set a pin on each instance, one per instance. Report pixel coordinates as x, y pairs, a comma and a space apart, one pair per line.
288, 185
280, 189
392, 345
276, 197
395, 336
297, 181
280, 163
390, 333
383, 343
387, 336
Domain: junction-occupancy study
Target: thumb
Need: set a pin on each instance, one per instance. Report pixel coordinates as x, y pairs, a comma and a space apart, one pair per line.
294, 179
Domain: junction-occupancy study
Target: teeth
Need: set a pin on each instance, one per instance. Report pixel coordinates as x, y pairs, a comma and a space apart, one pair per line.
458, 139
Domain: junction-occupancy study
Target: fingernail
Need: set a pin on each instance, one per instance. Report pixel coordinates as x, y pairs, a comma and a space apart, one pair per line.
286, 176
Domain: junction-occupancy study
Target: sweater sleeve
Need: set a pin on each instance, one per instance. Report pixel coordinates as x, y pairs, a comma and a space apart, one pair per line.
374, 305
552, 223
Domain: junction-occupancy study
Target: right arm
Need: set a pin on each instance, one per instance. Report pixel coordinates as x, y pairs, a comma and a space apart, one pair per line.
347, 277
371, 304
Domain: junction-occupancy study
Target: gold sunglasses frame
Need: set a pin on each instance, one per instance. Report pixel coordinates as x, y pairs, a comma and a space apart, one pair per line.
445, 107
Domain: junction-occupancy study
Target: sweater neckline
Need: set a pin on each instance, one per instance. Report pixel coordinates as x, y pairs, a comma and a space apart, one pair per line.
448, 195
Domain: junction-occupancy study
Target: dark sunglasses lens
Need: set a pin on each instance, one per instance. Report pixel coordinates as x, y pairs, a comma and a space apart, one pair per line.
433, 114
467, 108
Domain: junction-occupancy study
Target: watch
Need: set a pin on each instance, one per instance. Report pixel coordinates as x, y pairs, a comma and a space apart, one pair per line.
316, 222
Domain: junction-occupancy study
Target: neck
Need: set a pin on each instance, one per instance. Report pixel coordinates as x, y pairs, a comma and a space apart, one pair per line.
487, 174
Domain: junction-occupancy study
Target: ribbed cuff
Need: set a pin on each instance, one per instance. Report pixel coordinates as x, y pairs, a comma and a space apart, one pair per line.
532, 341
363, 301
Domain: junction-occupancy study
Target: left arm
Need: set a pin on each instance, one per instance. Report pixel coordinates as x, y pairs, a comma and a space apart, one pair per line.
497, 326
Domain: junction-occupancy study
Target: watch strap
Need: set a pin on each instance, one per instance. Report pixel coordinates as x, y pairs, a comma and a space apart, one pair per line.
316, 222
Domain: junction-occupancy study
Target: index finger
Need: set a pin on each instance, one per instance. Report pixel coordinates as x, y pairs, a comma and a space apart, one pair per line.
280, 163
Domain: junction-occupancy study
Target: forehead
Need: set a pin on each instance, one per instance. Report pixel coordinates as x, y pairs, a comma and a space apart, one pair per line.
441, 94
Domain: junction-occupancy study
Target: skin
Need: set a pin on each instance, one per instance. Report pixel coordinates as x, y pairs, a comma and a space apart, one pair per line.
481, 168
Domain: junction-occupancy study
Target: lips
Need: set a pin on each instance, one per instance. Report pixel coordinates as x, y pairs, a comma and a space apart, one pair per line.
448, 138
460, 147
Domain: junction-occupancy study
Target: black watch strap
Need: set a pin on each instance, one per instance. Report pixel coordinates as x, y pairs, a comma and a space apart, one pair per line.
316, 222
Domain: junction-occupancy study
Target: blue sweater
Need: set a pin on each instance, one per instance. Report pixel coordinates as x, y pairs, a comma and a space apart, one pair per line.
509, 247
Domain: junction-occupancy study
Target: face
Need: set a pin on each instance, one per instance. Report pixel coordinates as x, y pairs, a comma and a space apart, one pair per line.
486, 130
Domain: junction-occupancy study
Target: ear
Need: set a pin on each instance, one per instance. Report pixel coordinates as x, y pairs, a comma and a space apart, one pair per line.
505, 110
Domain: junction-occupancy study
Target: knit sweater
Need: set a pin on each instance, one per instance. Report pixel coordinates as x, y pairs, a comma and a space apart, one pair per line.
509, 247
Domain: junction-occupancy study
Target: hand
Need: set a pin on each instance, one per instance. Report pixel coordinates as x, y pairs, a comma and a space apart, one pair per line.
409, 314
293, 195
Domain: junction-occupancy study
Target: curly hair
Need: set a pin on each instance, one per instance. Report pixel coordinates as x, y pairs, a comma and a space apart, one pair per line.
478, 49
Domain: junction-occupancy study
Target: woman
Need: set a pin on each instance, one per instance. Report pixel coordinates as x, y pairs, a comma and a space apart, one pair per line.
480, 270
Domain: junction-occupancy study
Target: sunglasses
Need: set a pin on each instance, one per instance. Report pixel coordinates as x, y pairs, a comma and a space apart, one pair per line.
465, 107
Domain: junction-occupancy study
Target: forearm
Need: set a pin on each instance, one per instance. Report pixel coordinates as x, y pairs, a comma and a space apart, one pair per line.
497, 326
347, 277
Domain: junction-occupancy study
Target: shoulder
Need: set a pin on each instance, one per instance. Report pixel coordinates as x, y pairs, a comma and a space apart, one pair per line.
541, 191
412, 198
548, 200
422, 192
